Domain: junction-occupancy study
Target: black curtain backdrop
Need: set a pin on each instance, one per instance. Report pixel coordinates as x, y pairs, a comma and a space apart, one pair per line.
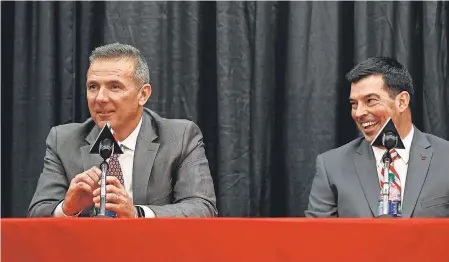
263, 80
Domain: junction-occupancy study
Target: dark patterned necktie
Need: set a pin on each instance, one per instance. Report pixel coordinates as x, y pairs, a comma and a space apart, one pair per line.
115, 168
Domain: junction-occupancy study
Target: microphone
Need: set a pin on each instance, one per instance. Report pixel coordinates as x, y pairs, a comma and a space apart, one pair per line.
389, 140
106, 148
105, 145
388, 136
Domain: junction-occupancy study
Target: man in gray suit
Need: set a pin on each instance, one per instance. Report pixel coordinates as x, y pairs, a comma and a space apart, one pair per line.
163, 171
347, 180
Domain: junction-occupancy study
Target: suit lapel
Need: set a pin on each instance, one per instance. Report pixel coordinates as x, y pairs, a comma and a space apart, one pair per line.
144, 156
365, 164
89, 160
420, 155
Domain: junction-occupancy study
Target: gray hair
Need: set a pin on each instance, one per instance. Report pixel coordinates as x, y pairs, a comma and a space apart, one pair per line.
142, 74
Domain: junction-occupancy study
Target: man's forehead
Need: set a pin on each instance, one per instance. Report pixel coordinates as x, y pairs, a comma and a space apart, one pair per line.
367, 86
370, 81
365, 93
97, 70
106, 71
117, 65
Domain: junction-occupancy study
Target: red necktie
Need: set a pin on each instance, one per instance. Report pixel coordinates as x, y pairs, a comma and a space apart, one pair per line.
394, 193
396, 180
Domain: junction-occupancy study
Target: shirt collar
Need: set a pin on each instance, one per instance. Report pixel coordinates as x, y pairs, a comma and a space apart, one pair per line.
403, 153
130, 141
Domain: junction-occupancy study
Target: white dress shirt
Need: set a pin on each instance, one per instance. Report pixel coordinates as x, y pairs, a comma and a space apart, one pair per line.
400, 164
126, 161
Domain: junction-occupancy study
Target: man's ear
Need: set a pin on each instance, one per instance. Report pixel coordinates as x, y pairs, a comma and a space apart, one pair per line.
145, 93
403, 101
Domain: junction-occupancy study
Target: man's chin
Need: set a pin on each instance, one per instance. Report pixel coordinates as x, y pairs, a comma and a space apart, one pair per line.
101, 122
369, 139
369, 136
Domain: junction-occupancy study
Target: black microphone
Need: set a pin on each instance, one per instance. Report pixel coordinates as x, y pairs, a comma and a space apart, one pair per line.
389, 140
388, 137
105, 145
106, 148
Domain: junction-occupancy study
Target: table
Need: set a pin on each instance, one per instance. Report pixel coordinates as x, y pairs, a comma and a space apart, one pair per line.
223, 239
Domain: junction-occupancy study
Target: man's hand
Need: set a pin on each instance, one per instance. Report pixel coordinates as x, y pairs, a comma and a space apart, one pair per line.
117, 199
79, 195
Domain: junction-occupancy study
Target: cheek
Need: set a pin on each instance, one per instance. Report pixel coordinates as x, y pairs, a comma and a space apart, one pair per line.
382, 114
353, 114
122, 106
90, 102
120, 101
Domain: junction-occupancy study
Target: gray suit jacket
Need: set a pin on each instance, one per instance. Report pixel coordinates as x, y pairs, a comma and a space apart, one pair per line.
170, 173
346, 182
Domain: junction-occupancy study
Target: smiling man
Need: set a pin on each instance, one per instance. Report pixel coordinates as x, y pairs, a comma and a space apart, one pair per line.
348, 179
163, 171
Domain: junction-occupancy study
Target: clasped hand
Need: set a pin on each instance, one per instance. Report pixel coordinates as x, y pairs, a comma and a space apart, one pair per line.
84, 191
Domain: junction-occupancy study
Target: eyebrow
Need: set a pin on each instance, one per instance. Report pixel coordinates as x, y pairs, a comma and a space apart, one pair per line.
366, 96
371, 94
114, 82
107, 82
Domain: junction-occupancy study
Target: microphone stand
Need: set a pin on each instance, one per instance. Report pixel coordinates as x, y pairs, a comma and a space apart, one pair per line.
104, 166
386, 186
106, 149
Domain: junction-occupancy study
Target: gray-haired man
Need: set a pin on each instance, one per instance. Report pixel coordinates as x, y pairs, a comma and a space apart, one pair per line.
163, 170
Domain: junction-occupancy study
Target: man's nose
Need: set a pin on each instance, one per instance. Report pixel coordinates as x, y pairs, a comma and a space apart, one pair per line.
102, 95
360, 111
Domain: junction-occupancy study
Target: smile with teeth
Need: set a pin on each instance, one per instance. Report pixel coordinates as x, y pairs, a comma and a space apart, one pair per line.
368, 124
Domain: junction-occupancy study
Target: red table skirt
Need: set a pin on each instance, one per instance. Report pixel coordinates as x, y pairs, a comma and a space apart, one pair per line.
224, 239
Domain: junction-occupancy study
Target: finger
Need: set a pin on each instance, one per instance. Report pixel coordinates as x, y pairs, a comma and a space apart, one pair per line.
113, 189
78, 178
94, 173
120, 192
96, 199
88, 177
82, 186
110, 206
110, 198
85, 178
114, 198
121, 210
96, 192
112, 180
109, 189
113, 207
96, 170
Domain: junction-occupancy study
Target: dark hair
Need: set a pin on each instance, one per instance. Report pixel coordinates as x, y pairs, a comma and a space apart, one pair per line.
395, 75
